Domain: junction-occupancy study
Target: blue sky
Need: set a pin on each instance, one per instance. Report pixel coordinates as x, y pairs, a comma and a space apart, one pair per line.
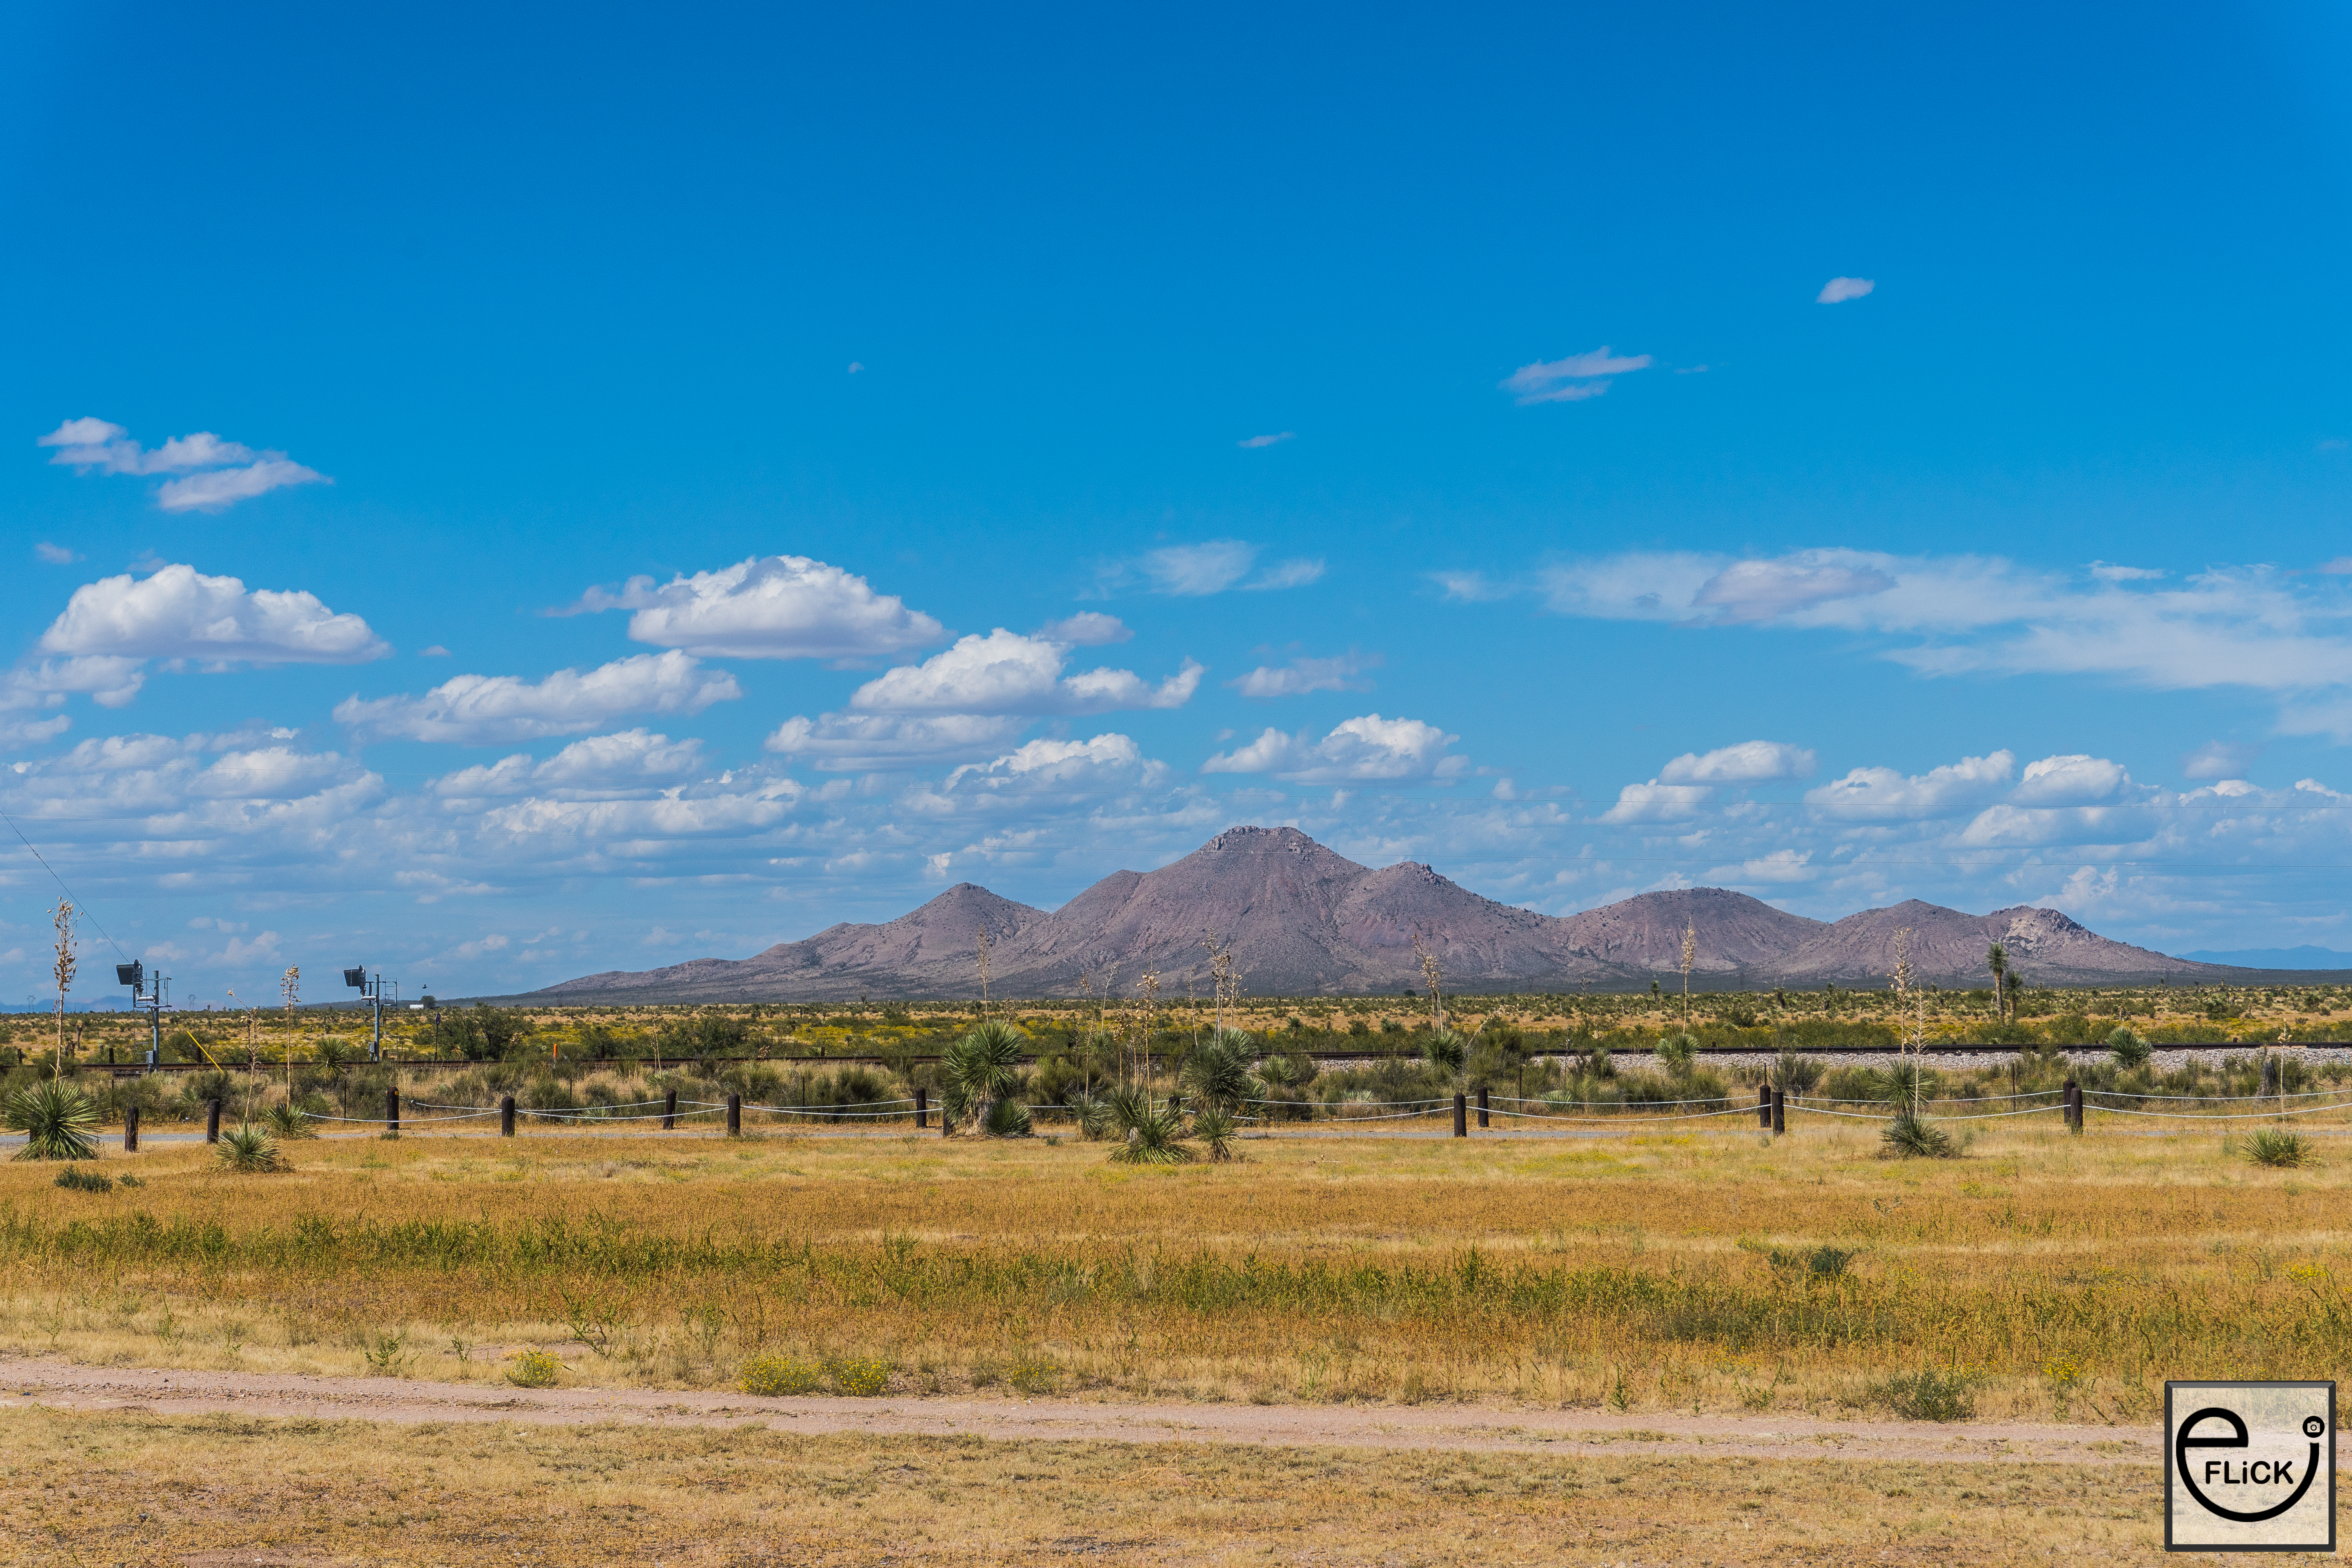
1447, 436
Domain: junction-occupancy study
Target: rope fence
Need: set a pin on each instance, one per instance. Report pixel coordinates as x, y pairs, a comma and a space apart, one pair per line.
1771, 1107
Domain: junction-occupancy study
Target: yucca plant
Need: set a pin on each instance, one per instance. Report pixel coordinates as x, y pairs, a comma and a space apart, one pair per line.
288, 1121
977, 1069
1218, 1072
57, 1122
1911, 1136
250, 1150
1006, 1119
2270, 1146
1444, 1051
2130, 1050
1155, 1138
1214, 1127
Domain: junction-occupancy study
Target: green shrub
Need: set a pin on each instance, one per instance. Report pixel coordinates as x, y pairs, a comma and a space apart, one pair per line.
2129, 1049
75, 1178
1006, 1119
1821, 1262
534, 1369
779, 1375
57, 1122
1928, 1396
862, 1377
1793, 1074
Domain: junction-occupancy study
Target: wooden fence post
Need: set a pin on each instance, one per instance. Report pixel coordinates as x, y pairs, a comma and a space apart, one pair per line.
1764, 1106
1482, 1107
211, 1121
1461, 1116
734, 1115
2073, 1106
131, 1128
506, 1116
922, 1109
1780, 1111
670, 1112
391, 1110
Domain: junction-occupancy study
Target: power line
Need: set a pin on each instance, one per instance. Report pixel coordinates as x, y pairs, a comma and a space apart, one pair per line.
60, 881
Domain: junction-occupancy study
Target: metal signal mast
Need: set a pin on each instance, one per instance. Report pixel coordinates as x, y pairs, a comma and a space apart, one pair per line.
374, 993
146, 992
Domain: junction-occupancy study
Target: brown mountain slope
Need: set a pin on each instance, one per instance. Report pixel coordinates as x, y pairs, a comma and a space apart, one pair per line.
1734, 932
1302, 920
929, 951
1948, 947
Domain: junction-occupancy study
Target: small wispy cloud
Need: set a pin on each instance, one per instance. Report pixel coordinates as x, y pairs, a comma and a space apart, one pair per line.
1253, 442
1838, 291
1195, 571
55, 554
1301, 675
2108, 573
215, 474
1570, 380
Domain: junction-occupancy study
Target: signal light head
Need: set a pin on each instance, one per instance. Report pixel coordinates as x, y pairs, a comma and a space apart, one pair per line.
130, 973
355, 978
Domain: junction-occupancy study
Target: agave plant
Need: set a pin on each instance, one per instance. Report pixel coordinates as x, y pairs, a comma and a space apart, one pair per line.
250, 1150
977, 1069
57, 1122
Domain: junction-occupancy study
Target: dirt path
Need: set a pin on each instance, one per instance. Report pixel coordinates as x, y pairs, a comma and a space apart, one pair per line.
1586, 1433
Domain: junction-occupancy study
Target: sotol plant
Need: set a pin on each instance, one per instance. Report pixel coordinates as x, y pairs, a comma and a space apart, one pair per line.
57, 1122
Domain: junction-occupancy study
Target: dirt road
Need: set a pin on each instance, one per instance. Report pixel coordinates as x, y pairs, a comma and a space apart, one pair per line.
1430, 1428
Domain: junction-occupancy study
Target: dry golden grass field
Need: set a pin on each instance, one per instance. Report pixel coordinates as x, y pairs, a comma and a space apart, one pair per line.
2041, 1278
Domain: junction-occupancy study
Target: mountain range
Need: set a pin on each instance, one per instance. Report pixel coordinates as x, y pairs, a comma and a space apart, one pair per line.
1302, 920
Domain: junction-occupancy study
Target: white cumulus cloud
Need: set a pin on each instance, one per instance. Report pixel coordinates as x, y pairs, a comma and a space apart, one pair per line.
181, 613
217, 473
1749, 761
631, 760
1368, 749
1108, 761
483, 709
2078, 779
776, 606
1882, 794
1838, 291
1005, 672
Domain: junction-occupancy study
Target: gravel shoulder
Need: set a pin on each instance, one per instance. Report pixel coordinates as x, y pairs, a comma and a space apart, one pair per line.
63, 1385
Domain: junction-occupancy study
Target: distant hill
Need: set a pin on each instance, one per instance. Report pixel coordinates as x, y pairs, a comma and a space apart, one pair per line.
2305, 957
1303, 920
